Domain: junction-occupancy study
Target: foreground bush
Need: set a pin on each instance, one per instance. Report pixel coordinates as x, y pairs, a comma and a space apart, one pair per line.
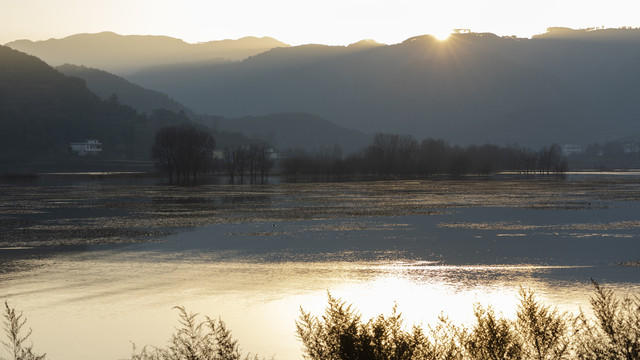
615, 332
195, 340
16, 342
539, 332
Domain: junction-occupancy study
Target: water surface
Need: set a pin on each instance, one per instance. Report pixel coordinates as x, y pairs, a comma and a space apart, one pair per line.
430, 257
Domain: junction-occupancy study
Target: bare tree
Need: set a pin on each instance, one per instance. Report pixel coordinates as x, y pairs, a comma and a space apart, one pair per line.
252, 161
265, 162
240, 157
184, 151
230, 162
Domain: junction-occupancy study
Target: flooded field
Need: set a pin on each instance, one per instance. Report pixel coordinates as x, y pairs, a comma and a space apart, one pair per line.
97, 265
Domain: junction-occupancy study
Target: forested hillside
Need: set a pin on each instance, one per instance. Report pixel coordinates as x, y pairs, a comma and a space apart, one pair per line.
43, 111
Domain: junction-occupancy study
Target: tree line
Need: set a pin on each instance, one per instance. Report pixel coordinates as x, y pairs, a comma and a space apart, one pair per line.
391, 155
182, 151
248, 161
609, 155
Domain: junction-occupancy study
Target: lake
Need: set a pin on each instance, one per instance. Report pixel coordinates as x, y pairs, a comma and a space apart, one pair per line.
98, 265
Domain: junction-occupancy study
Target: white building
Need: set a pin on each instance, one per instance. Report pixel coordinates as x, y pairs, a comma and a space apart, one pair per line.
89, 147
571, 149
631, 148
273, 154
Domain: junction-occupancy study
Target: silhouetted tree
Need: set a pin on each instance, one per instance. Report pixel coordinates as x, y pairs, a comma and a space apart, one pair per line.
390, 155
184, 151
240, 158
265, 162
433, 156
252, 161
549, 159
230, 162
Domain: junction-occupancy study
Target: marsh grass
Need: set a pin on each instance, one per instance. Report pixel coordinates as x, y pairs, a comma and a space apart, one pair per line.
130, 212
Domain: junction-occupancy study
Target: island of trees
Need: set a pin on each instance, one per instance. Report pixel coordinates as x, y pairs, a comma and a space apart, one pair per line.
184, 151
397, 156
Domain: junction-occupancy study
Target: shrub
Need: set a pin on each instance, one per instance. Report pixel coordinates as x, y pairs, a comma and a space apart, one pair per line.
546, 334
342, 335
195, 340
492, 338
16, 337
615, 331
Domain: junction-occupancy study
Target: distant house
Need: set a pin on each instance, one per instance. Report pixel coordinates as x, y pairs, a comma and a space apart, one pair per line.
631, 148
274, 155
89, 147
571, 149
217, 155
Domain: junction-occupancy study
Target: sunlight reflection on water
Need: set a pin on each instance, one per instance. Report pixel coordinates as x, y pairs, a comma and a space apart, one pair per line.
109, 299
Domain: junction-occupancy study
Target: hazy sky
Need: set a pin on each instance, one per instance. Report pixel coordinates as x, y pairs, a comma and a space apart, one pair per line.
297, 22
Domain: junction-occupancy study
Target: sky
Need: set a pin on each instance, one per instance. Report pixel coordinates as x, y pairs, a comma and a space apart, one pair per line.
296, 22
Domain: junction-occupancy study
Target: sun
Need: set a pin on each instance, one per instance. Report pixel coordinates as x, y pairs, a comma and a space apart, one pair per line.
441, 35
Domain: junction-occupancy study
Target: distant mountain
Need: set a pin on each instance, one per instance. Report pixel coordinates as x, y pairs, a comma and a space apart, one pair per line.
566, 86
296, 131
105, 84
122, 54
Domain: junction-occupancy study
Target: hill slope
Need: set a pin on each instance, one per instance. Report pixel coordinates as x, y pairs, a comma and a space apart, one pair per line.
283, 131
296, 131
105, 84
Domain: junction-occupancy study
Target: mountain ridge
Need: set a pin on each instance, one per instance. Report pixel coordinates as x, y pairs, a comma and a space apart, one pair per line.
296, 131
471, 88
123, 54
565, 86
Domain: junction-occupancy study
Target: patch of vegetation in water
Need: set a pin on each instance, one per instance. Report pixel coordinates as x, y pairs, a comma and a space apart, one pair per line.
115, 213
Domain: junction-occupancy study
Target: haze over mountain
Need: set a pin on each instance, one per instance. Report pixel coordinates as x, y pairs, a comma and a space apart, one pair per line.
296, 131
122, 54
105, 84
283, 131
566, 86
